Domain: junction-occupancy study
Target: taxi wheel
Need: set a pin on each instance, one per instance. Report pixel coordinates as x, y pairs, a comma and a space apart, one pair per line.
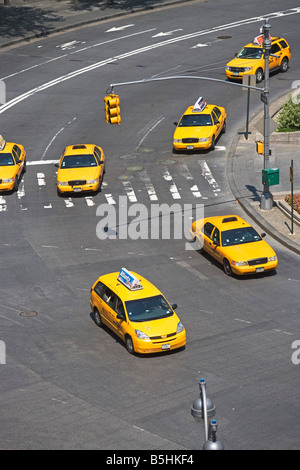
129, 344
24, 167
224, 128
259, 75
16, 185
98, 319
227, 267
213, 143
284, 65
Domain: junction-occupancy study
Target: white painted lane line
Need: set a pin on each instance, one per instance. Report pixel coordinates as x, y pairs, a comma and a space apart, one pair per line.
143, 175
89, 200
54, 137
186, 173
173, 188
209, 177
192, 270
42, 162
158, 121
3, 206
129, 191
69, 202
21, 194
110, 199
41, 179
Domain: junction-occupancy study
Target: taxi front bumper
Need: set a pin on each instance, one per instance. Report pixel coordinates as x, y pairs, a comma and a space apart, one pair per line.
7, 186
78, 188
193, 146
159, 345
242, 270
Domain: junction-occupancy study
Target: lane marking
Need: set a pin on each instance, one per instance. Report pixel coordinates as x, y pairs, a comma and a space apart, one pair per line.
149, 186
129, 191
186, 173
173, 188
192, 270
209, 177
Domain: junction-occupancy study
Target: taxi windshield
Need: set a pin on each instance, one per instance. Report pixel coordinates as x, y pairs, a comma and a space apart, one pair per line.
189, 120
250, 53
239, 236
78, 161
150, 308
6, 159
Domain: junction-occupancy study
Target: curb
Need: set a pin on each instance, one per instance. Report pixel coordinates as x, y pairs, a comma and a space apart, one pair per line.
246, 206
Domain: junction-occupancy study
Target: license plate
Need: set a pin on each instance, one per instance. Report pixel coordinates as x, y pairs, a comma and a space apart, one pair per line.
236, 74
259, 270
189, 147
77, 190
166, 346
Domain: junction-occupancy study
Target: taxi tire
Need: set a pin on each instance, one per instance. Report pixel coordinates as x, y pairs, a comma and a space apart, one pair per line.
213, 143
16, 185
259, 75
129, 344
284, 64
227, 267
24, 167
224, 128
98, 319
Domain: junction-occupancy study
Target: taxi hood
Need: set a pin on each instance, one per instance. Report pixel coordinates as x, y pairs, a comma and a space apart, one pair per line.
158, 327
238, 62
67, 174
199, 132
244, 252
7, 172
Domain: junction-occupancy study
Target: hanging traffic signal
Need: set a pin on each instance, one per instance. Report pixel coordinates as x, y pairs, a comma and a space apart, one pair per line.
112, 109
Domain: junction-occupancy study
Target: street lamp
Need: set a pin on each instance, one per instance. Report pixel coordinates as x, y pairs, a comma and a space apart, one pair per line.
266, 202
202, 409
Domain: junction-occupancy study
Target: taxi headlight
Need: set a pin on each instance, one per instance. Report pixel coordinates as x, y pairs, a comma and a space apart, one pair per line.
272, 258
8, 180
62, 183
180, 327
177, 141
247, 69
239, 263
227, 67
204, 139
92, 181
139, 334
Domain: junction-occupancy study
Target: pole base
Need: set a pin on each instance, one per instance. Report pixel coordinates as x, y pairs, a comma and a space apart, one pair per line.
266, 202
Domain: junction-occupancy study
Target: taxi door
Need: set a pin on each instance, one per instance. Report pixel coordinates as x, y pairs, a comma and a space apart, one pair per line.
19, 157
274, 62
215, 245
218, 120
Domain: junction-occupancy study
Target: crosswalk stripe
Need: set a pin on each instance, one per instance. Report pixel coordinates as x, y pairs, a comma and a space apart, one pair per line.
149, 186
129, 191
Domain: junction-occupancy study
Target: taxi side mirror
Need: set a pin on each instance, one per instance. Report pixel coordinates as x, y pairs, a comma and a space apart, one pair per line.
263, 234
174, 306
120, 316
57, 165
18, 162
235, 55
216, 243
175, 123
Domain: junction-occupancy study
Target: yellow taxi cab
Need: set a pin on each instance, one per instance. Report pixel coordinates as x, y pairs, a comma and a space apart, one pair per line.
250, 59
137, 312
199, 126
235, 244
12, 164
80, 168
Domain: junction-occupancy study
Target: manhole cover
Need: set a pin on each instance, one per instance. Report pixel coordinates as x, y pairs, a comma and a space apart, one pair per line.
224, 37
125, 177
128, 157
168, 162
134, 168
28, 313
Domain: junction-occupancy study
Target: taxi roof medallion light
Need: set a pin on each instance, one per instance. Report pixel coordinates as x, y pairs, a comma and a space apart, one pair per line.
266, 202
203, 408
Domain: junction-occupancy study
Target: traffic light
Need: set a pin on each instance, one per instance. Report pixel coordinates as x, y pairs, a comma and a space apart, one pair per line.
112, 109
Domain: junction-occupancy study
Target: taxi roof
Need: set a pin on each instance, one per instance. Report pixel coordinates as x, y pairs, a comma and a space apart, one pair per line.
111, 281
260, 46
208, 108
79, 149
7, 147
227, 222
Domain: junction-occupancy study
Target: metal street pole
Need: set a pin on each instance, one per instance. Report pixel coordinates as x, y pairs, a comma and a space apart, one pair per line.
266, 202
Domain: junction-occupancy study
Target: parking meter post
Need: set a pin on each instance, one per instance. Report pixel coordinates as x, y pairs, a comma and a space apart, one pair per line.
266, 198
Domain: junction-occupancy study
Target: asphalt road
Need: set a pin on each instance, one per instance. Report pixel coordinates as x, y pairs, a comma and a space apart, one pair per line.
65, 383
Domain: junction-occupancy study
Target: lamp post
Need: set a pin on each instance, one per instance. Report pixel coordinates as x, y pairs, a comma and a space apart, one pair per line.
266, 202
203, 408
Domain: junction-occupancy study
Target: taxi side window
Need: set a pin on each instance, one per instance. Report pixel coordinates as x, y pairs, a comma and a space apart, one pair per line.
283, 44
97, 155
216, 236
275, 48
16, 152
119, 308
207, 229
214, 118
109, 297
99, 289
217, 112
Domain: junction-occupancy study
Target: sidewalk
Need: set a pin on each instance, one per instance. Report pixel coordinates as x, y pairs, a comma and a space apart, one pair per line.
244, 172
25, 20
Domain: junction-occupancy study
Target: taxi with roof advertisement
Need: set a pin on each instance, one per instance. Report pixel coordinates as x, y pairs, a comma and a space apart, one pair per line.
235, 244
199, 126
137, 312
80, 169
250, 59
12, 165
